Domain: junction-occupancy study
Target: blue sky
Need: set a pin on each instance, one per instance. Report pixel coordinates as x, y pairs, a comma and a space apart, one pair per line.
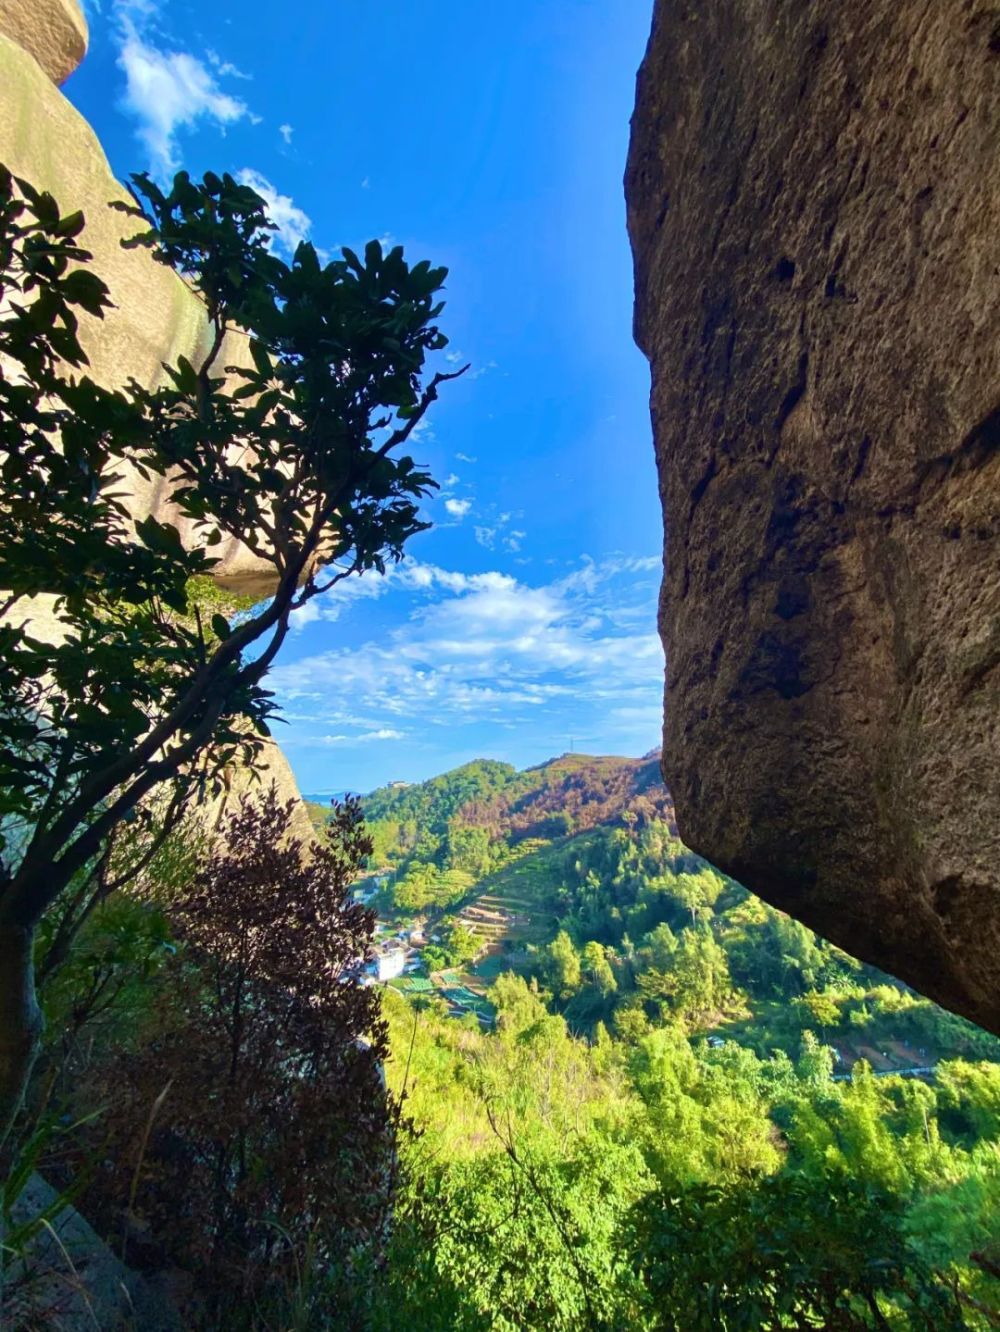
490, 138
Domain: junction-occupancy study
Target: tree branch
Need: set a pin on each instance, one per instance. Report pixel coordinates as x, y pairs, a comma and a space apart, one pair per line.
428, 396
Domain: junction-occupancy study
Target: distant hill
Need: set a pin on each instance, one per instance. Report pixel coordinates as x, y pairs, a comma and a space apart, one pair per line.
566, 795
433, 803
571, 874
572, 794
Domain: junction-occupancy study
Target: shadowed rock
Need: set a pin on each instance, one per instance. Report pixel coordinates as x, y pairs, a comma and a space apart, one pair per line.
814, 207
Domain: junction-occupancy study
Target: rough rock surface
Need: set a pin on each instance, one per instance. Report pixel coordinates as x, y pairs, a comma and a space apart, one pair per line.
53, 31
814, 207
156, 317
70, 1281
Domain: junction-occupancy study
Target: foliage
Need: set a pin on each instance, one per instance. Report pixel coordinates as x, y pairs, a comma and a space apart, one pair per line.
659, 1183
784, 1252
246, 1123
767, 1187
515, 1238
641, 1140
135, 692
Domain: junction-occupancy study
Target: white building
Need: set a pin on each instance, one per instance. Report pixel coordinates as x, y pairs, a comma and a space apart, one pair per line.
390, 963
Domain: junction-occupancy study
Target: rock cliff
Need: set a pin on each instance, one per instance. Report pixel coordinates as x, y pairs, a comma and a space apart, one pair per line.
814, 208
54, 32
156, 317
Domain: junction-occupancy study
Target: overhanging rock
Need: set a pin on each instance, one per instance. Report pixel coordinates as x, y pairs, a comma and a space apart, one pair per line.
814, 207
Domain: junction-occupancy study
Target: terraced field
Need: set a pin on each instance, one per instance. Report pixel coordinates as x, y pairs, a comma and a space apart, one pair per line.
509, 912
513, 907
514, 910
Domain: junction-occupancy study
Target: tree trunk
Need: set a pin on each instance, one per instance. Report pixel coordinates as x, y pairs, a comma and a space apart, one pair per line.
20, 1022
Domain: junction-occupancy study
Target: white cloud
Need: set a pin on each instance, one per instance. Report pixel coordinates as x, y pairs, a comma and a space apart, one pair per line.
450, 480
423, 431
292, 222
458, 508
495, 537
286, 132
168, 90
225, 68
364, 738
464, 457
330, 605
457, 357
307, 614
488, 647
478, 371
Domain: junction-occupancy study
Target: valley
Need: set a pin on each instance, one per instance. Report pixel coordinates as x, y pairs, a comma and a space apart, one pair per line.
571, 876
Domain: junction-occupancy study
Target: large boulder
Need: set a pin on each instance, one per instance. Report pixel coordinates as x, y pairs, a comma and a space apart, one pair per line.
814, 207
54, 32
156, 316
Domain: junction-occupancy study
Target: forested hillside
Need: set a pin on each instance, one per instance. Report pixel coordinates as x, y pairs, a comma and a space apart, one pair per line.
570, 794
643, 1098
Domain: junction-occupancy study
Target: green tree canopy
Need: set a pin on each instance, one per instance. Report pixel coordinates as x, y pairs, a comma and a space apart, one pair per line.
295, 454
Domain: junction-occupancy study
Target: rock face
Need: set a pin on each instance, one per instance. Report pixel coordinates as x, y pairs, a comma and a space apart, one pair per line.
156, 317
53, 31
70, 1281
814, 207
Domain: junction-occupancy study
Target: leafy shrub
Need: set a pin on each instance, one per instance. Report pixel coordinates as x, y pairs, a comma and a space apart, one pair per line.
249, 1126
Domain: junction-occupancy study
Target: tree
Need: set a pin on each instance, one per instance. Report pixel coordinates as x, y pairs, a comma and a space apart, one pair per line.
819, 1008
468, 849
564, 965
698, 893
835, 1255
293, 454
969, 1095
695, 978
596, 961
463, 944
816, 1061
249, 1121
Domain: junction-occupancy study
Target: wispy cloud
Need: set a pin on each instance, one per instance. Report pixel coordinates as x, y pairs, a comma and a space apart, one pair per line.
358, 738
169, 90
293, 223
458, 508
497, 534
487, 647
478, 371
224, 68
286, 131
333, 604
